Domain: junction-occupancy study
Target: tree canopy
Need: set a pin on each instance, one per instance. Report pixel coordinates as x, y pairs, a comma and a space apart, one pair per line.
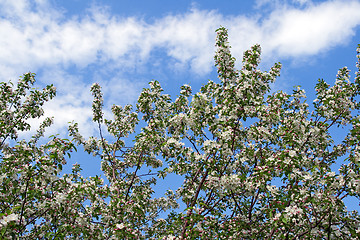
255, 164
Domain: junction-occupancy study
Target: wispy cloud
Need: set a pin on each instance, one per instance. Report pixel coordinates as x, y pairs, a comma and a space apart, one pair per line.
296, 32
38, 37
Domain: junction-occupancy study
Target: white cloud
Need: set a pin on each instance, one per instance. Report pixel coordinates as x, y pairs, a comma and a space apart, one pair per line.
188, 38
72, 103
36, 38
39, 37
293, 32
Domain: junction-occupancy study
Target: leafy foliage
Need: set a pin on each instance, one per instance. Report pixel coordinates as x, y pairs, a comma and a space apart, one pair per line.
254, 164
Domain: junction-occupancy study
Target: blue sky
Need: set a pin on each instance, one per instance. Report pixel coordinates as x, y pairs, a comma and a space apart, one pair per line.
125, 44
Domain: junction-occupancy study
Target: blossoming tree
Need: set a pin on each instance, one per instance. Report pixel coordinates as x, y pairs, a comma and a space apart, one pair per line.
255, 165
